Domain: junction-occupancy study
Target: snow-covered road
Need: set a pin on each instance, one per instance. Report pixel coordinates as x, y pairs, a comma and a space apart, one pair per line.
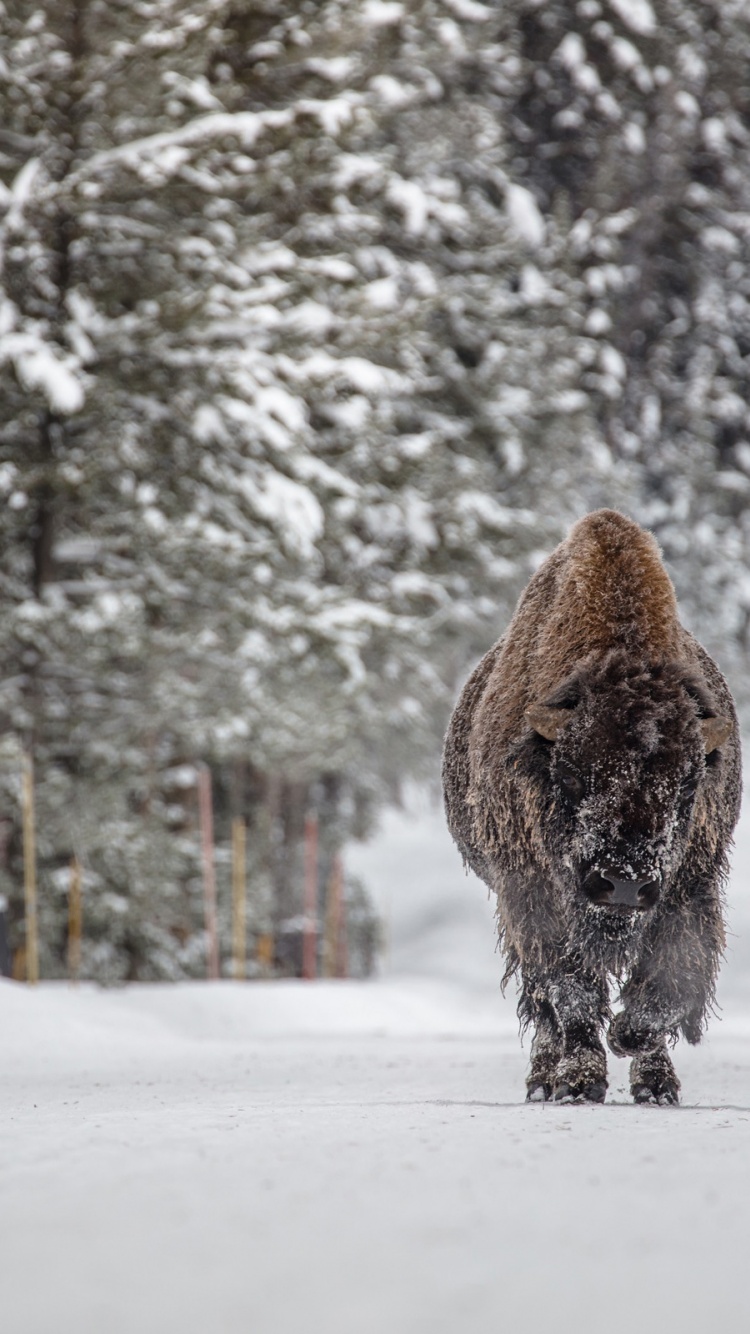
356, 1158
352, 1159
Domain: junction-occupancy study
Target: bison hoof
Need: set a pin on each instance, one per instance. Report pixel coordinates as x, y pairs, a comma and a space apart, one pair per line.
538, 1092
653, 1079
589, 1093
647, 1097
670, 1098
581, 1076
644, 1095
626, 1040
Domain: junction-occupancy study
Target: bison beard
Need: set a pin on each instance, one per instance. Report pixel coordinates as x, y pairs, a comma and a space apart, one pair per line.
592, 780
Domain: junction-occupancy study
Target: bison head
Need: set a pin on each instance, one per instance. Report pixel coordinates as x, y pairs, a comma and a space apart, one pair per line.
622, 749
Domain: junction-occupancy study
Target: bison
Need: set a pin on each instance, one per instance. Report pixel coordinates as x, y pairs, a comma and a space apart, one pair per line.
592, 779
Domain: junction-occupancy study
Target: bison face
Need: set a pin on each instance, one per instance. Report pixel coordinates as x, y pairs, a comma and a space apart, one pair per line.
624, 752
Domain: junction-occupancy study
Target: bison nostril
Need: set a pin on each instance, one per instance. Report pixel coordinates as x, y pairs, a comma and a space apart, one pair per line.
648, 894
607, 888
598, 888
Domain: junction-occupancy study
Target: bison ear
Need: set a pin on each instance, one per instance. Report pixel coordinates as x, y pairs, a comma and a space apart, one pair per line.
547, 721
715, 732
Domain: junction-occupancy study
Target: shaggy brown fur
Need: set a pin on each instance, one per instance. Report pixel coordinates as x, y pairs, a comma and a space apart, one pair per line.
596, 744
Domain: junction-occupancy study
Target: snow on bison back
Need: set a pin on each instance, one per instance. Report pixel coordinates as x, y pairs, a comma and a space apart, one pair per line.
592, 779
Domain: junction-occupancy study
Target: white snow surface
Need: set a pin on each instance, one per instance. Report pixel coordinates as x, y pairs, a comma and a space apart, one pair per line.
357, 1158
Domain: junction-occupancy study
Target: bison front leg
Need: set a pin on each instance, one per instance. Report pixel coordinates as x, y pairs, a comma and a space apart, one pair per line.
652, 1075
580, 1003
669, 991
639, 1032
653, 1078
568, 1061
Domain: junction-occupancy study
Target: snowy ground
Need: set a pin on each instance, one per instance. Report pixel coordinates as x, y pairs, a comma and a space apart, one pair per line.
357, 1158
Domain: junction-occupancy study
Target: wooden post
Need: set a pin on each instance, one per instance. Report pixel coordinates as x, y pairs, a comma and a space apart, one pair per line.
264, 952
29, 870
238, 898
75, 921
209, 871
343, 954
310, 909
332, 958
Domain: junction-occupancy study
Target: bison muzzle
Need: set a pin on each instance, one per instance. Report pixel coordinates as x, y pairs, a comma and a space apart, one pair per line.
592, 780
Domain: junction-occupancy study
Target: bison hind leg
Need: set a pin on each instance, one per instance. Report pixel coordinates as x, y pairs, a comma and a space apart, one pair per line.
653, 1079
546, 1047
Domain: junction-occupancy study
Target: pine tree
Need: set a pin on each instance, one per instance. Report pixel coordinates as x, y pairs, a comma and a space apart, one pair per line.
630, 123
250, 514
319, 323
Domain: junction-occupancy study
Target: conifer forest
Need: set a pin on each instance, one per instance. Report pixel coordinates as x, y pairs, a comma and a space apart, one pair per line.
320, 323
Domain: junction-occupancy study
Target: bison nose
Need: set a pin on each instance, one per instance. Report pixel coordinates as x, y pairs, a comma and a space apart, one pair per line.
607, 888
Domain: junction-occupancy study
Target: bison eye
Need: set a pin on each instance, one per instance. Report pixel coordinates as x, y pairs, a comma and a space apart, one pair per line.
573, 787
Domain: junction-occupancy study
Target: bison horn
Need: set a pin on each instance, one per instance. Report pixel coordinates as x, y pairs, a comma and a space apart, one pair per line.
715, 732
547, 721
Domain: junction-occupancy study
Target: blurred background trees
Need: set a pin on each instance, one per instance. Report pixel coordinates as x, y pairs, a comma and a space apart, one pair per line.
319, 323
